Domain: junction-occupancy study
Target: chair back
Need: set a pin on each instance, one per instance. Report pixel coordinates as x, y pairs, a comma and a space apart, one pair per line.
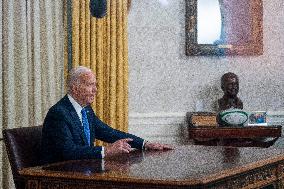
23, 149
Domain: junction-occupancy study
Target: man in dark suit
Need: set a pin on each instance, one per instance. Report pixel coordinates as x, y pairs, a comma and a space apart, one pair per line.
71, 126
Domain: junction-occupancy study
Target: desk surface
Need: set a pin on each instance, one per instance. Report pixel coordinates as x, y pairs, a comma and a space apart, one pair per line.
198, 166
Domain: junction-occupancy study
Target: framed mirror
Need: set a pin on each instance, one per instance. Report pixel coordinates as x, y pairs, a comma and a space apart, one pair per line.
224, 27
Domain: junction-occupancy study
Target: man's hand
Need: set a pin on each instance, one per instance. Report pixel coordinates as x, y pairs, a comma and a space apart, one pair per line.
118, 147
157, 146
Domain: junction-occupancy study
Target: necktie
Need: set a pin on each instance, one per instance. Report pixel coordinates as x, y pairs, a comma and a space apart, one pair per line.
85, 124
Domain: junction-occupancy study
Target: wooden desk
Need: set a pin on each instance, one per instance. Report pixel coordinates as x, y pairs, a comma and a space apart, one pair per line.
184, 167
204, 130
234, 132
255, 136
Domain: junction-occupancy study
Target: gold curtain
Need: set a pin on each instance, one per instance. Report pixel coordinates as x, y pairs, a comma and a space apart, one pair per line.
101, 44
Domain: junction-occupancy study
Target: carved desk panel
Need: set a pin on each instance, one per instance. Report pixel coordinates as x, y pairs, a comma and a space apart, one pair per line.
184, 167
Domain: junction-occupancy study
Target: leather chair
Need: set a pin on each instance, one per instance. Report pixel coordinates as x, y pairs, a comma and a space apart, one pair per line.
23, 149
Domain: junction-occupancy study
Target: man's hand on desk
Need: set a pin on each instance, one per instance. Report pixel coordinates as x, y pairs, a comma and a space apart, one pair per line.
157, 146
118, 147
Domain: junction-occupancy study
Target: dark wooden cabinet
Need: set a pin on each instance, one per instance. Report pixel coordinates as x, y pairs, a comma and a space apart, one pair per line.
204, 130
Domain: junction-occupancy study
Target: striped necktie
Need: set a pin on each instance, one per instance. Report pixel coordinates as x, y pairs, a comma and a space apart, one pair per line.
85, 123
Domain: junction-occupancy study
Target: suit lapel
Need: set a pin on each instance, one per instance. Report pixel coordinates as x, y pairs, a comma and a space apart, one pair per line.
75, 119
78, 123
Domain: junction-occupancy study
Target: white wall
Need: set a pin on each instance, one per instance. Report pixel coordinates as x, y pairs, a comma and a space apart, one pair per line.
164, 81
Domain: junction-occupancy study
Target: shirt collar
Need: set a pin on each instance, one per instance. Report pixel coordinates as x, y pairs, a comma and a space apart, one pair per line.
76, 105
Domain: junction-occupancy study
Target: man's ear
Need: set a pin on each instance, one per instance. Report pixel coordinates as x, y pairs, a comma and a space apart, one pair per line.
74, 89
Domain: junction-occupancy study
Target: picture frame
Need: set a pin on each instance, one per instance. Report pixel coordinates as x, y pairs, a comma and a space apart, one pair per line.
257, 118
252, 46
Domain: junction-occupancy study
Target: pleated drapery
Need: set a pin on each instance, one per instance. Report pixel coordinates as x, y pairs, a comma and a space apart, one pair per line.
101, 44
31, 66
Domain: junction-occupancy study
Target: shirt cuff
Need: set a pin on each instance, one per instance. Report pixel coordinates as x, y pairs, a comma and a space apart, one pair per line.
103, 152
143, 146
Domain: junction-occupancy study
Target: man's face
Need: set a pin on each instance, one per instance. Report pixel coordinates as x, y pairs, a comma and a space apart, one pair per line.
231, 87
85, 92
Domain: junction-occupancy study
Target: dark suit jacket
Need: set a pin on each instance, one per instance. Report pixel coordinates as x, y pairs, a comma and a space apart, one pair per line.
63, 137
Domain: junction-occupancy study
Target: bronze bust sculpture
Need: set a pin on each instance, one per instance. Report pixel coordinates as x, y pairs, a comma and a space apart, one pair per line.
230, 87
